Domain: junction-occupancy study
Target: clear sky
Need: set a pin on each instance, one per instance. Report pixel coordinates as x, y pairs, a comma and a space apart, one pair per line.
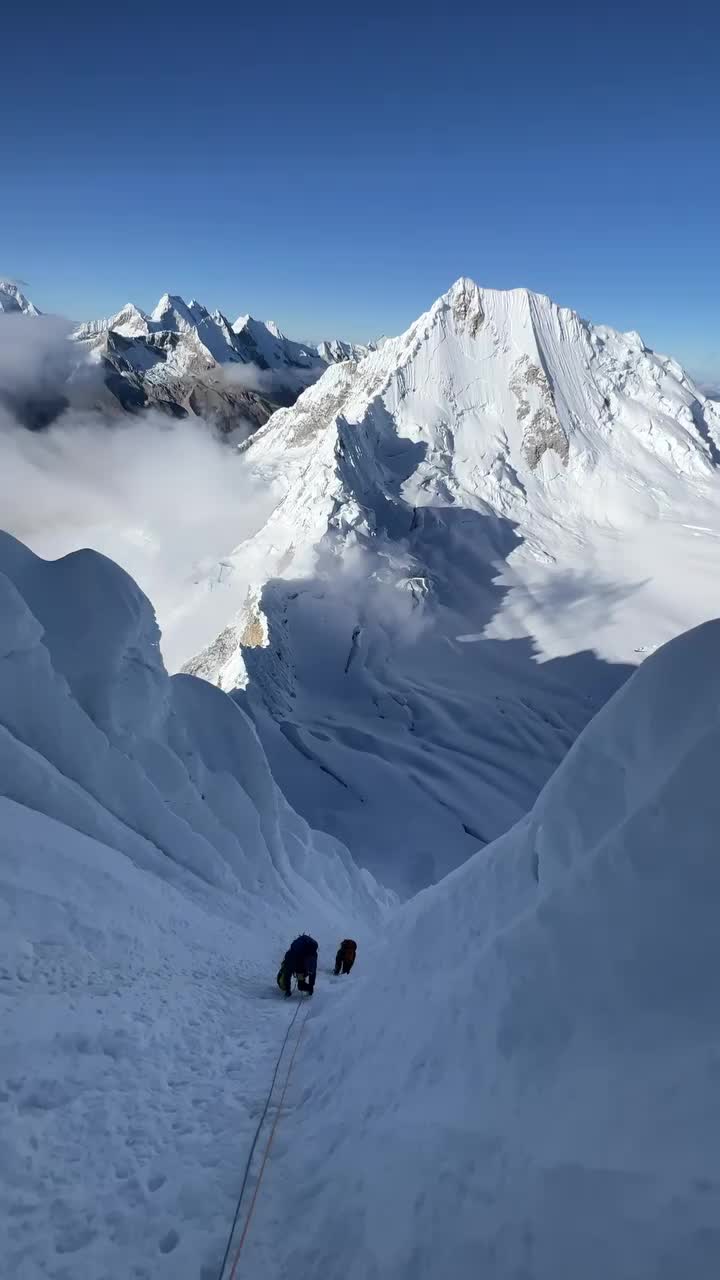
335, 167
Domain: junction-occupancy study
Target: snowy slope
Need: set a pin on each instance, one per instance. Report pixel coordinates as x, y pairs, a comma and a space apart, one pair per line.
480, 526
525, 1083
151, 876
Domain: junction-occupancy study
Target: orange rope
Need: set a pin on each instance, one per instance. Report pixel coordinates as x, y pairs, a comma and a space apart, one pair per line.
248, 1220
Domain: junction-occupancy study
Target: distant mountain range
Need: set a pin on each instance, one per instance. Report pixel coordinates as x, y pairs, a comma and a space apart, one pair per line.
184, 360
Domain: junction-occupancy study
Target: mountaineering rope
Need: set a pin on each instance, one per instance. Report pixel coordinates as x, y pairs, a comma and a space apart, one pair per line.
254, 1143
246, 1228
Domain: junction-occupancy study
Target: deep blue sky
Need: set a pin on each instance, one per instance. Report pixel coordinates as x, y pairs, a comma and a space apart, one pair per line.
336, 167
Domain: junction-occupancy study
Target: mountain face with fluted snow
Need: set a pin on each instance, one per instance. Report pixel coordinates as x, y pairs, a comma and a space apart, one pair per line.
481, 526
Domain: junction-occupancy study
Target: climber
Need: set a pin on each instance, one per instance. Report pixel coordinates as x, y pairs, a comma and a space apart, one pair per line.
300, 959
345, 958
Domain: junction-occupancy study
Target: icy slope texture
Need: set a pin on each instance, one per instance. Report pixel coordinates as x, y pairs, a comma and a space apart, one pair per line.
502, 483
12, 301
526, 1082
95, 734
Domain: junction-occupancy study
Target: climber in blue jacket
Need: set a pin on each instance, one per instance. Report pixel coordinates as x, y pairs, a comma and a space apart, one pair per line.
300, 960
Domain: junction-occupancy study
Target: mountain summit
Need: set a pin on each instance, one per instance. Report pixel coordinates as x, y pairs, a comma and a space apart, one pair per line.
13, 301
479, 528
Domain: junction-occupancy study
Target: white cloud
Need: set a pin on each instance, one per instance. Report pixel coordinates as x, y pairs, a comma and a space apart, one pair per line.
35, 355
250, 377
165, 498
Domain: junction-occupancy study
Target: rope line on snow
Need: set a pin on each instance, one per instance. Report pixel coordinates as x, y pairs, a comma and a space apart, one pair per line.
248, 1220
254, 1143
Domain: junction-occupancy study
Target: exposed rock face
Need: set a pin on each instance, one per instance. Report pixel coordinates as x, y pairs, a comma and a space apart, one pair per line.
467, 306
203, 392
543, 431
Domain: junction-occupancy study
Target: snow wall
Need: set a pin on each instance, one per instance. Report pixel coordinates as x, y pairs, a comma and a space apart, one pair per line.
94, 733
527, 1083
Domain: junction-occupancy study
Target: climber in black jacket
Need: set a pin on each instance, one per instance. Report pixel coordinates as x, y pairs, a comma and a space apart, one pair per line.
300, 959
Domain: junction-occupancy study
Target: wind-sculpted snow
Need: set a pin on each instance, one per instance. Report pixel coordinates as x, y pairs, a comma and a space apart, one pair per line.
481, 526
525, 1082
94, 733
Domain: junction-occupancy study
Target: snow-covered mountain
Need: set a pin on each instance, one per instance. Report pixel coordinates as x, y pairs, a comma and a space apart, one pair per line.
291, 366
13, 301
335, 350
184, 340
482, 525
185, 360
